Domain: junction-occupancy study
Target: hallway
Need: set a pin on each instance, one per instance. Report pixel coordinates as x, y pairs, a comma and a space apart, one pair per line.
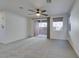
37, 47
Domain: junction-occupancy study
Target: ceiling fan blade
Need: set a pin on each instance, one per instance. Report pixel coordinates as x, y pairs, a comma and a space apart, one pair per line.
45, 14
43, 10
31, 10
30, 14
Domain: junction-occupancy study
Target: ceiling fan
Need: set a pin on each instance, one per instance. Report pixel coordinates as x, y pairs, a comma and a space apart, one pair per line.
38, 12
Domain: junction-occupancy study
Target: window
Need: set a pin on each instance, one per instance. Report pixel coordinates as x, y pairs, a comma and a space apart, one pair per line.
57, 23
42, 24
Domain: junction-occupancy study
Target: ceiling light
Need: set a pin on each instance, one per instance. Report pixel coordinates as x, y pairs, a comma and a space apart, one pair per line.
38, 14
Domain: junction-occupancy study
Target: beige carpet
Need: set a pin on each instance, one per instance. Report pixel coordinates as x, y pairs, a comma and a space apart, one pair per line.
37, 47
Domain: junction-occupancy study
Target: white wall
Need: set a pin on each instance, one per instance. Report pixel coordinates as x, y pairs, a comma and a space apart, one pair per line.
30, 27
74, 33
59, 34
16, 27
2, 23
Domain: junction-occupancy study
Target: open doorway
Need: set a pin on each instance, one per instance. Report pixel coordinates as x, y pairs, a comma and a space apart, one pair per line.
41, 28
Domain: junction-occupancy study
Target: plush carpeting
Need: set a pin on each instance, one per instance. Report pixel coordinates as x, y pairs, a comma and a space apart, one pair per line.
37, 47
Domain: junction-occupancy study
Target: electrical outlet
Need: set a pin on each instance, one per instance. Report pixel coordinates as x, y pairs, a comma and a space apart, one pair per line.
2, 26
49, 1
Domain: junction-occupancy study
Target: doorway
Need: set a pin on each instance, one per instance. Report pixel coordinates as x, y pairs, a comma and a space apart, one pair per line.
41, 28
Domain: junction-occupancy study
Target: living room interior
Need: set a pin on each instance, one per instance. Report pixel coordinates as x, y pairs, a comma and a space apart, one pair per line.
39, 28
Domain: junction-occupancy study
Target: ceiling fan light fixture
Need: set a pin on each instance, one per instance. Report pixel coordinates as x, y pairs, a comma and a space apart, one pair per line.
38, 14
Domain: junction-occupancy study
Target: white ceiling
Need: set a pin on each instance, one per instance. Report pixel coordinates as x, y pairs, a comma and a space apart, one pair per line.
56, 7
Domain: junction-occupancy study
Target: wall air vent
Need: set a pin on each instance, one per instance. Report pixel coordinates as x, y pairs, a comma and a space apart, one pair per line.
49, 1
